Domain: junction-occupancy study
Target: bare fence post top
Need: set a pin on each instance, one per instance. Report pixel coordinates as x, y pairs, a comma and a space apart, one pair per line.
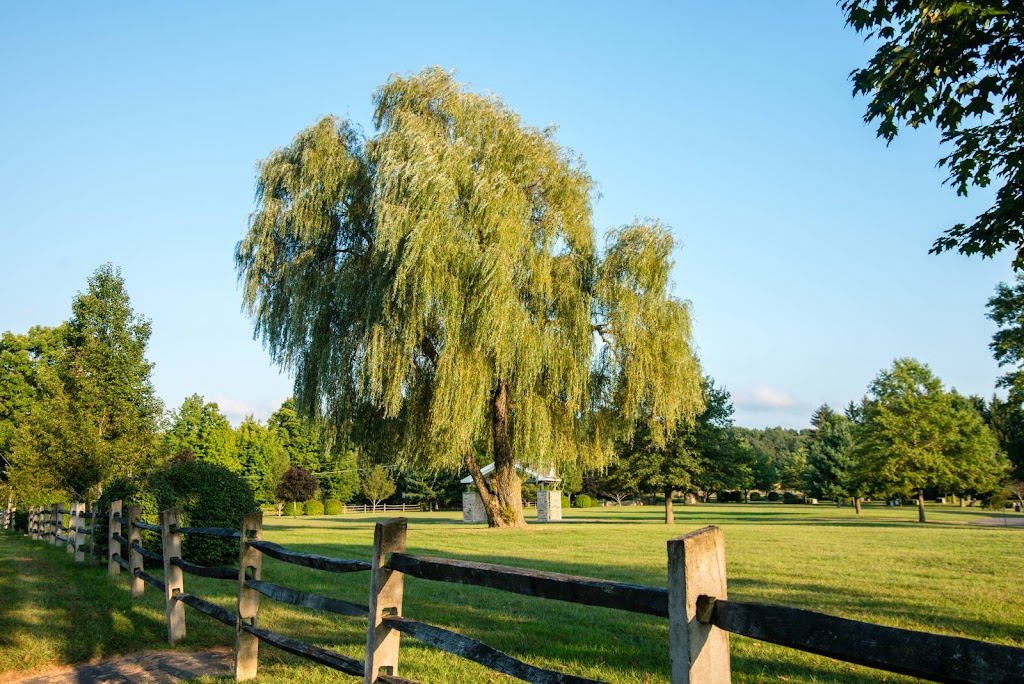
699, 653
386, 590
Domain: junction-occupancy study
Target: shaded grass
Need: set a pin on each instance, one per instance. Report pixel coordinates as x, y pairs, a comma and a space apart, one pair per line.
882, 568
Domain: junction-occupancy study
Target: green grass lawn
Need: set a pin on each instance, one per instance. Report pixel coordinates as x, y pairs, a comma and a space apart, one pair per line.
882, 567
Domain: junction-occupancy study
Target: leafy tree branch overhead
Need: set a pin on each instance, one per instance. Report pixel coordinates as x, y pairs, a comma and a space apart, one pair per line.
957, 66
442, 278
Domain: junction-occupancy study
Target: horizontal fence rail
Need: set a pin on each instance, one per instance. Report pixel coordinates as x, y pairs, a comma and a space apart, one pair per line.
307, 600
935, 657
550, 585
309, 560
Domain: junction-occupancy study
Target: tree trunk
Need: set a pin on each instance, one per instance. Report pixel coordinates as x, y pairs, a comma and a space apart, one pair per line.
669, 515
503, 496
856, 505
920, 505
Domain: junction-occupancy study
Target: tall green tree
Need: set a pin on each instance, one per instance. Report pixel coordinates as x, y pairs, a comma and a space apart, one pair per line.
699, 455
301, 438
101, 421
444, 273
262, 456
956, 65
915, 436
377, 485
28, 376
830, 465
199, 428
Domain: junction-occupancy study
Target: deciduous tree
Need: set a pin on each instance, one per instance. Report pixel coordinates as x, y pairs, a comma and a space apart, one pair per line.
960, 66
445, 274
200, 428
296, 485
915, 435
378, 485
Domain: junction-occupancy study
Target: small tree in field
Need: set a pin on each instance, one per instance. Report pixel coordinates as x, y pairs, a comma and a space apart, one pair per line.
378, 485
297, 484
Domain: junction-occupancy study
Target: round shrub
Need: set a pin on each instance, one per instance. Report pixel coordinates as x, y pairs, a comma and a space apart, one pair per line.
206, 495
333, 507
774, 496
755, 496
791, 498
313, 507
565, 501
584, 501
293, 508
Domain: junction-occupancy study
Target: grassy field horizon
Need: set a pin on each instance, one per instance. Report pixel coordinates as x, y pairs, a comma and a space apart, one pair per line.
945, 576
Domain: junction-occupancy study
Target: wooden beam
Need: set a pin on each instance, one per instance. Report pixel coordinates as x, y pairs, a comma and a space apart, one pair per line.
135, 562
310, 560
935, 657
173, 576
699, 653
250, 564
307, 600
550, 585
386, 590
471, 649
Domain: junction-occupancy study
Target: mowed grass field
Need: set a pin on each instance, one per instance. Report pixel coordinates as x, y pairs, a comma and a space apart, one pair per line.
945, 576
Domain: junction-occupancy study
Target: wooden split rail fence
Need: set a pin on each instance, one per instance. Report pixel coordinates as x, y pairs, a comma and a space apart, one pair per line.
47, 523
696, 604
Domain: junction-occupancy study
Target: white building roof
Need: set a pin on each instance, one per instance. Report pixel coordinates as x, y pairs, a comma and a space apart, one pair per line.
531, 476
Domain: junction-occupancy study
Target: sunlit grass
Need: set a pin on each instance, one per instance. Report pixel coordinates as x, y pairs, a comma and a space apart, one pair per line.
881, 567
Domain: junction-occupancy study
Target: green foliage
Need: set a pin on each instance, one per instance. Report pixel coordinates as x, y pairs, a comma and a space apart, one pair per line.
205, 494
294, 508
297, 484
333, 507
774, 496
378, 484
566, 502
200, 428
430, 487
342, 482
831, 471
262, 457
96, 417
755, 496
585, 501
426, 280
914, 436
300, 438
791, 498
729, 497
313, 507
956, 65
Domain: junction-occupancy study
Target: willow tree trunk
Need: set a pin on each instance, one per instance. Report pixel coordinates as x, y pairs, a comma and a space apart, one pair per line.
920, 505
669, 513
503, 495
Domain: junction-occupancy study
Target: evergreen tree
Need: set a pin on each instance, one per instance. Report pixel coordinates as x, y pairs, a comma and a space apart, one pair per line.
830, 465
445, 274
100, 420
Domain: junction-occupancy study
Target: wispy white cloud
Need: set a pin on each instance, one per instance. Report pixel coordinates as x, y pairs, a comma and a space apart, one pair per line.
764, 398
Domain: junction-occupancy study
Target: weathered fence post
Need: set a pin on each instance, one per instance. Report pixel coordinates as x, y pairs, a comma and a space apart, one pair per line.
32, 522
250, 566
173, 576
9, 514
80, 534
71, 526
699, 652
58, 521
386, 588
134, 557
113, 527
49, 528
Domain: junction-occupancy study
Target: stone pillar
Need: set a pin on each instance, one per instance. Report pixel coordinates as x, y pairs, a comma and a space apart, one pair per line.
473, 510
549, 505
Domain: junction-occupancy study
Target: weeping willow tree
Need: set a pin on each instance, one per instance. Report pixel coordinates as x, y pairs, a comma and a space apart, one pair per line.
442, 278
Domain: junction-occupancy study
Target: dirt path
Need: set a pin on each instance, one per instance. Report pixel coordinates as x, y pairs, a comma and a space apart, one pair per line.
1008, 521
151, 666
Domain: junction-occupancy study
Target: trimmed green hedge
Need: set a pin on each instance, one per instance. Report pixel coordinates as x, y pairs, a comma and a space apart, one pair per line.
314, 507
333, 507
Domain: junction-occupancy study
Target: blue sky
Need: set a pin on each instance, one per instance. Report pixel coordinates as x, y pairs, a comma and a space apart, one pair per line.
130, 133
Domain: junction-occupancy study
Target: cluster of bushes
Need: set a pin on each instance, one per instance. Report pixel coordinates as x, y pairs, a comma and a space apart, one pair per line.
791, 498
585, 501
730, 497
755, 496
206, 495
774, 496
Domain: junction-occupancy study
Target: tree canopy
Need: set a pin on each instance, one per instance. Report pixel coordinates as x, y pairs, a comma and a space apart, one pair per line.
199, 428
442, 279
915, 435
960, 66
